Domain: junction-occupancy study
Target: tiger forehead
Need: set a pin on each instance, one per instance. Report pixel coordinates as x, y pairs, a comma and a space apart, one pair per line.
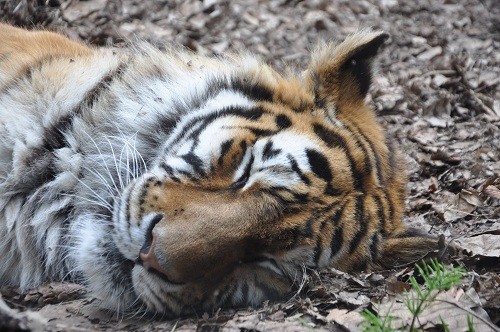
280, 116
270, 119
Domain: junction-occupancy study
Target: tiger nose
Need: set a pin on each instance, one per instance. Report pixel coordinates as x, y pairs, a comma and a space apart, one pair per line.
147, 255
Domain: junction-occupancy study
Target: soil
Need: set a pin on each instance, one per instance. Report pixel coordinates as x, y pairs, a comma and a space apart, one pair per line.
436, 91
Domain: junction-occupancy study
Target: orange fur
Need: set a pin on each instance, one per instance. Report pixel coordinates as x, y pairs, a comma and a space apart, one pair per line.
21, 50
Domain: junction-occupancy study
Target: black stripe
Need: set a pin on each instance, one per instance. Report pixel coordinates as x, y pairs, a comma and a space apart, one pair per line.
382, 222
170, 172
261, 132
240, 182
188, 175
367, 162
319, 165
195, 162
166, 168
293, 233
391, 208
165, 123
54, 135
360, 220
337, 236
269, 152
374, 247
155, 294
307, 230
283, 121
245, 113
337, 241
296, 169
66, 214
225, 293
93, 95
248, 114
375, 154
413, 232
270, 293
128, 216
318, 250
300, 198
277, 191
40, 168
224, 149
119, 268
254, 90
303, 106
243, 146
333, 139
330, 191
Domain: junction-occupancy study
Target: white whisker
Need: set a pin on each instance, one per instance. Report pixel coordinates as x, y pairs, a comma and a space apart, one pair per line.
104, 205
103, 160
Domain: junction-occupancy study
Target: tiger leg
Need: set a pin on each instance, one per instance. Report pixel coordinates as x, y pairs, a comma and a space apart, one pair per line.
250, 284
411, 246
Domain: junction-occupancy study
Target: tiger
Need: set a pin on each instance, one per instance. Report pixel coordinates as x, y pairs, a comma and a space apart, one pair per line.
169, 182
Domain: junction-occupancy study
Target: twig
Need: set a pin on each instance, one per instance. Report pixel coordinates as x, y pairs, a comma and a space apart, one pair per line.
445, 72
470, 91
493, 327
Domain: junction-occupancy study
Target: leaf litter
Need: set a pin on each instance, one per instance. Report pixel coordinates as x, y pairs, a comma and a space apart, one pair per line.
437, 92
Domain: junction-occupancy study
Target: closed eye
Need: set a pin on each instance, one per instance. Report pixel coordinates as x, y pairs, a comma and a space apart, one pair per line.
243, 172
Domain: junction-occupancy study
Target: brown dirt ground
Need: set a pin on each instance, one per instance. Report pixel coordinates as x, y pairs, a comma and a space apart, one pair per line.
436, 92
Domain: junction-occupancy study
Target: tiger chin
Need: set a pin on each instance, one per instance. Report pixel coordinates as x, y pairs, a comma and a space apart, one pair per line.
169, 182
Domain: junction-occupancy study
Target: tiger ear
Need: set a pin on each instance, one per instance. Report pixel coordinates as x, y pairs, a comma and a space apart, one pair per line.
340, 76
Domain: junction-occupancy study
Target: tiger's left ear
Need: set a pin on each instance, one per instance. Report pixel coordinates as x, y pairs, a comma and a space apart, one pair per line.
340, 76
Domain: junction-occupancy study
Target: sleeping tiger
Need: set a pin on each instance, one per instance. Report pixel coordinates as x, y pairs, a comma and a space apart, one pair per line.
169, 182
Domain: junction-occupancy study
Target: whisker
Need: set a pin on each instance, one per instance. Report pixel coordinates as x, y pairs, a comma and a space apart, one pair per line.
101, 177
116, 164
104, 205
102, 158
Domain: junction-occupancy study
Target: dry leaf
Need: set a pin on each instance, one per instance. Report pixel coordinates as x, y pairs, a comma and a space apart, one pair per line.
349, 320
480, 245
452, 307
461, 205
492, 191
436, 122
430, 53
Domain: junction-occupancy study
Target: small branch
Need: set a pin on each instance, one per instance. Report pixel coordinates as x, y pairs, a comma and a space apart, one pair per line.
470, 91
492, 326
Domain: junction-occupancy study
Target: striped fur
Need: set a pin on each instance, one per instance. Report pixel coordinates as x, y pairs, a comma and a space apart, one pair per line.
166, 181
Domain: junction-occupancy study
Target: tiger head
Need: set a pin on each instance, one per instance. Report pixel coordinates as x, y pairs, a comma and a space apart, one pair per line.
263, 176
